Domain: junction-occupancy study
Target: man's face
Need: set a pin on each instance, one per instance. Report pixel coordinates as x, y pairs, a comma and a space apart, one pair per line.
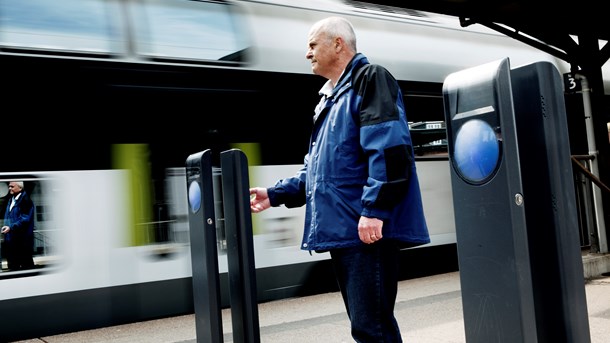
320, 53
13, 188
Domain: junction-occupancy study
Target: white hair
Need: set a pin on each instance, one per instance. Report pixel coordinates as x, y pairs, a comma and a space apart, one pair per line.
335, 27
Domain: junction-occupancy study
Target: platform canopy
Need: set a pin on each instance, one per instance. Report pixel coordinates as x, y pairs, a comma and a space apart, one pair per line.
569, 30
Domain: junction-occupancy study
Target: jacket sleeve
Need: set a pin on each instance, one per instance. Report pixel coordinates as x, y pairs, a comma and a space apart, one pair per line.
290, 191
385, 140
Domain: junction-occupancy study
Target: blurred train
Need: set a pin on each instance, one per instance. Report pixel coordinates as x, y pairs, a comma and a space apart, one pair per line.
105, 99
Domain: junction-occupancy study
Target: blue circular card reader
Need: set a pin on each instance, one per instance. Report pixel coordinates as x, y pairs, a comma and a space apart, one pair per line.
194, 196
476, 151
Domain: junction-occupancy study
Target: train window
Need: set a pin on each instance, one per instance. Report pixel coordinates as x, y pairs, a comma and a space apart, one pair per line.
429, 137
60, 25
189, 30
427, 123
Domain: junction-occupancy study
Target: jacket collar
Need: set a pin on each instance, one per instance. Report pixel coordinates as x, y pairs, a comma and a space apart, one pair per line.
344, 83
346, 78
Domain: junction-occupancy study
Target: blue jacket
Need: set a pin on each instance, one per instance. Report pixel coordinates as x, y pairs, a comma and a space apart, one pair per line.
20, 219
360, 163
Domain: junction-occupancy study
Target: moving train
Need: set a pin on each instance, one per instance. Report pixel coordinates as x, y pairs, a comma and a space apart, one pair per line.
104, 101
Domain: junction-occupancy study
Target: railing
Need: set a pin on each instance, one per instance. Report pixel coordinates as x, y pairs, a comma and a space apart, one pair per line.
44, 242
583, 182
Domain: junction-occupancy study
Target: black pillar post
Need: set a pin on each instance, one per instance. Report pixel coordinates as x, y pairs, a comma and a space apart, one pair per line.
550, 204
240, 250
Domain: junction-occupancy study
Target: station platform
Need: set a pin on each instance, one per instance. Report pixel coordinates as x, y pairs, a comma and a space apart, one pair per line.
428, 309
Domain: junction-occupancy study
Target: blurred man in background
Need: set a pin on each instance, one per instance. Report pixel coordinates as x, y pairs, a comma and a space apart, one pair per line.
18, 228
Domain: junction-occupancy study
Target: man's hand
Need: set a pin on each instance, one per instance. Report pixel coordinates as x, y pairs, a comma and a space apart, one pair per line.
259, 200
369, 229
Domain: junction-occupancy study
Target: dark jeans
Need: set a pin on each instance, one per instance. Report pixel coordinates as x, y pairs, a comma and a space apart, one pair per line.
18, 253
368, 279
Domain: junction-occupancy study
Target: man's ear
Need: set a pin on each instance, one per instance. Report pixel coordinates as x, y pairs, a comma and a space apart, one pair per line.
338, 44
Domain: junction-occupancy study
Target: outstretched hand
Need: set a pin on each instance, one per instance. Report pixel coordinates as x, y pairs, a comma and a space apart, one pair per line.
259, 200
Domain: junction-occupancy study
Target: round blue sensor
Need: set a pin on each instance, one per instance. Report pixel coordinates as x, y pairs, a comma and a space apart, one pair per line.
195, 196
476, 151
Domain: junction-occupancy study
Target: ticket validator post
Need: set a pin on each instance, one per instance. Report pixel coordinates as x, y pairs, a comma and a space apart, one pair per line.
488, 202
204, 253
520, 268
